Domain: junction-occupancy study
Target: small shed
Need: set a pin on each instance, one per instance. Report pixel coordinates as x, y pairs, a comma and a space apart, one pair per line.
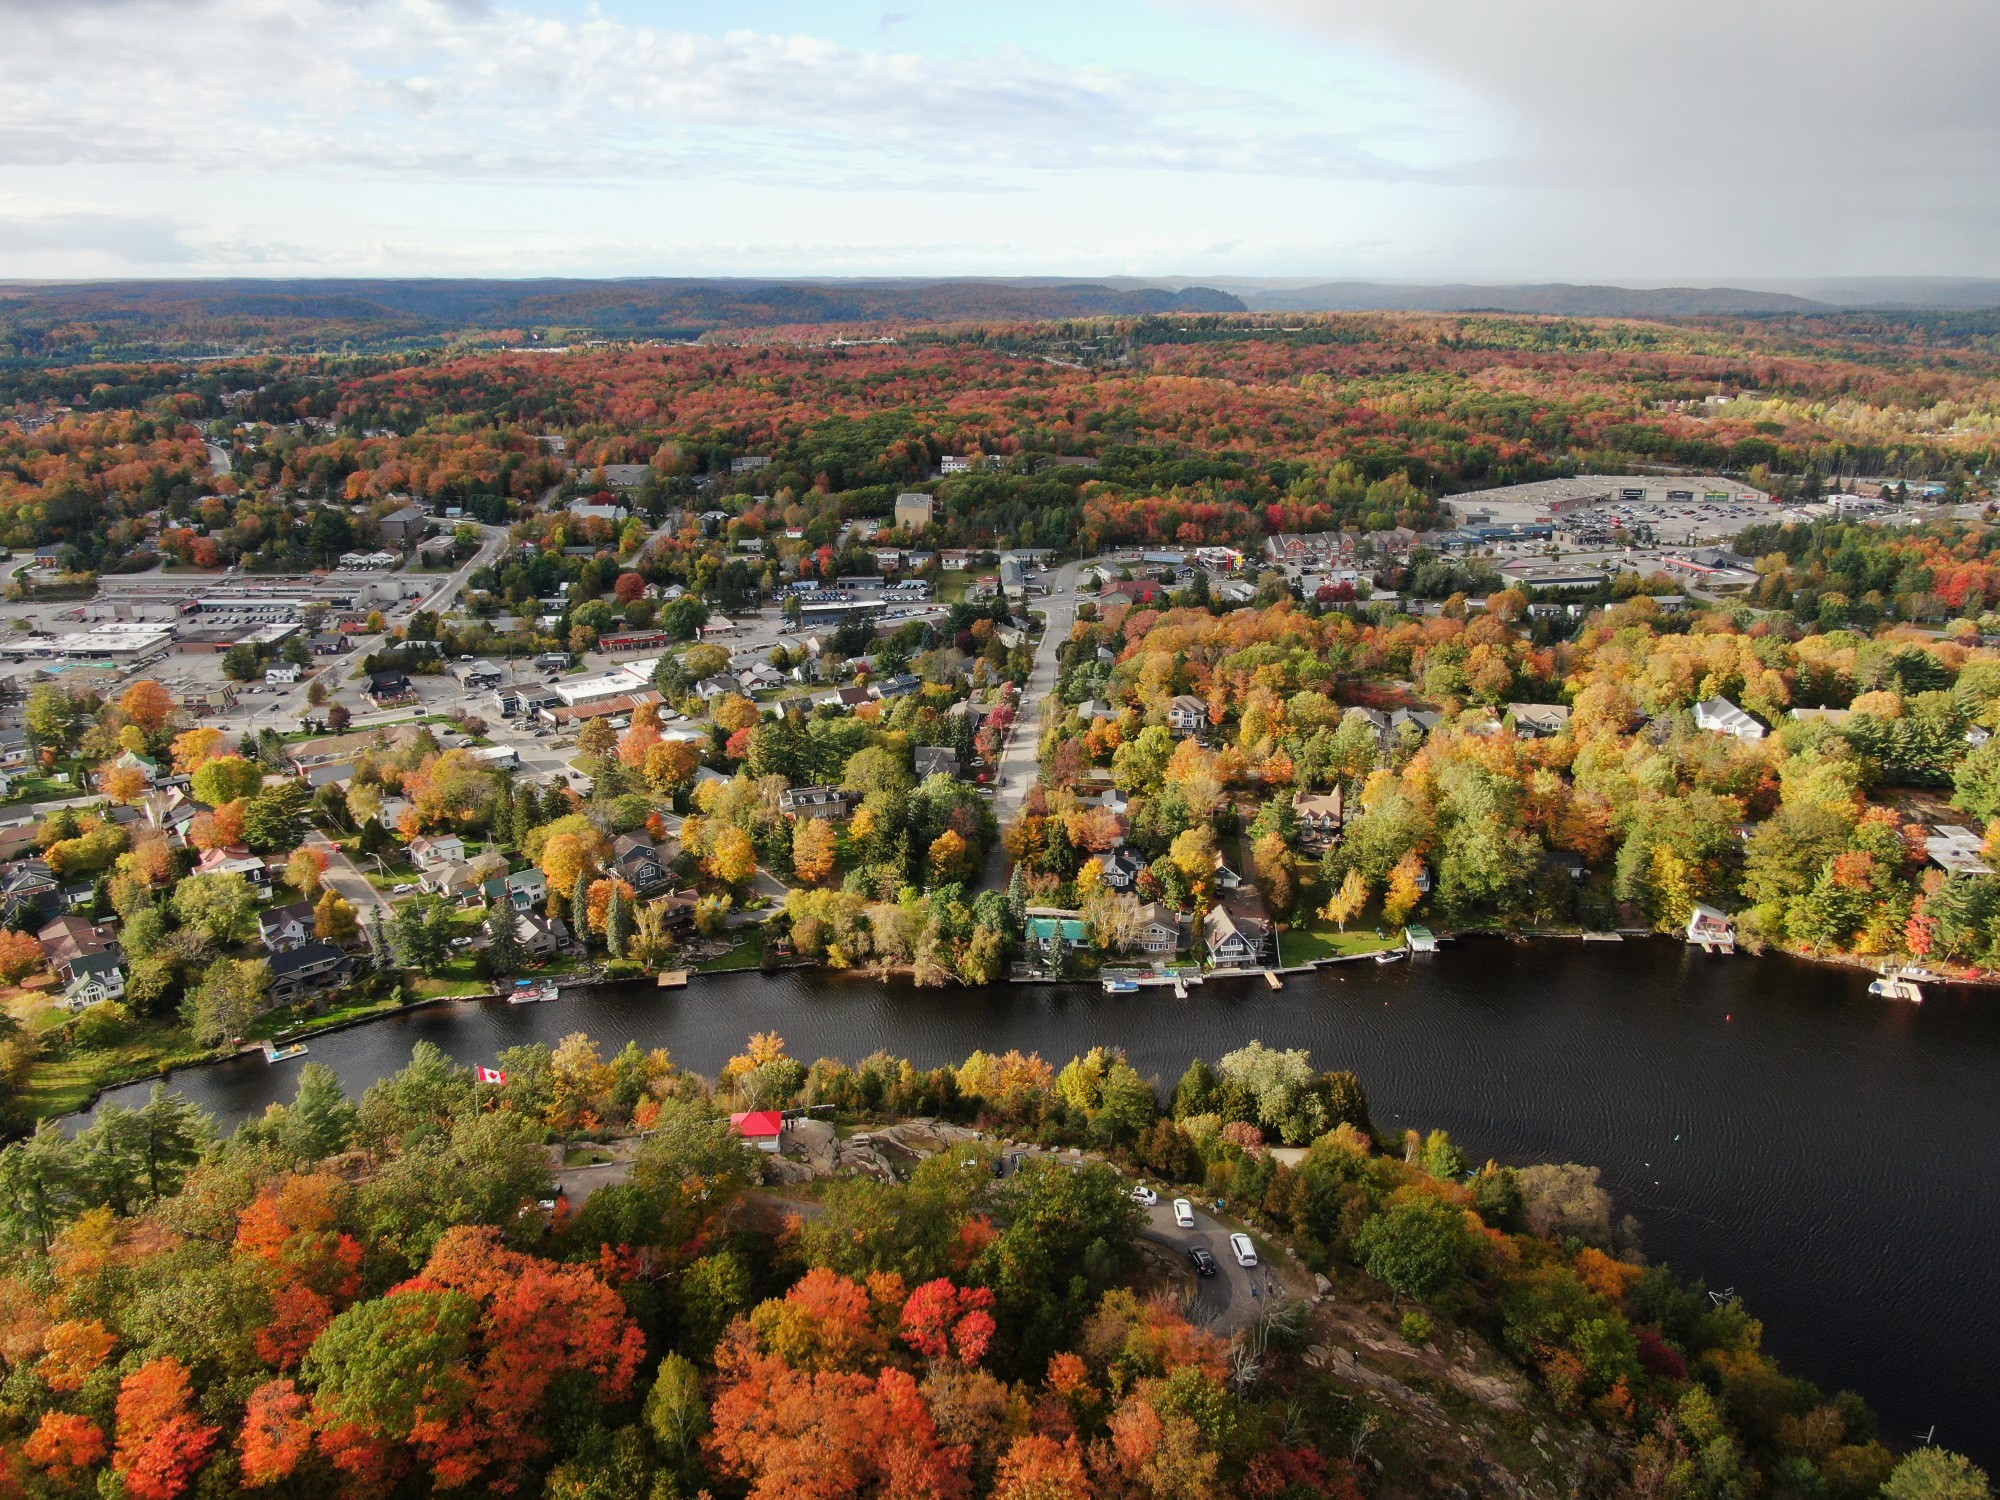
762, 1128
1420, 939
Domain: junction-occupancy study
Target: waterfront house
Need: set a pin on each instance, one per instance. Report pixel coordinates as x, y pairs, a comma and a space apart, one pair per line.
1049, 926
309, 969
1161, 929
1711, 929
1956, 850
1237, 934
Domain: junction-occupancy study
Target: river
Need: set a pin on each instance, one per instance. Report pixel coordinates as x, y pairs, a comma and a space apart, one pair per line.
1831, 1156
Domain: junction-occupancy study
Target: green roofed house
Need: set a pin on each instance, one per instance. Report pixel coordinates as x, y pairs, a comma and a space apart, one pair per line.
1047, 926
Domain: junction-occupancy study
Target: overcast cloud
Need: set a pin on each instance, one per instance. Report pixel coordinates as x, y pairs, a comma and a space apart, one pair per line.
1432, 138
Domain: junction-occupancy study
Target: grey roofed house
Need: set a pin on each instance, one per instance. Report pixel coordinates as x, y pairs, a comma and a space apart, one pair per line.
936, 760
1120, 868
1161, 929
1539, 720
814, 801
1236, 937
900, 686
284, 927
637, 860
1187, 713
13, 748
626, 476
297, 972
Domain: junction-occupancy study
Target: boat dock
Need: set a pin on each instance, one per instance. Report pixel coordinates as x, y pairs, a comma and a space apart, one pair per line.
1271, 978
674, 979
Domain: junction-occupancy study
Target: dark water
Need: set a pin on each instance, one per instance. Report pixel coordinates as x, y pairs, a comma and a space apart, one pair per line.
1831, 1156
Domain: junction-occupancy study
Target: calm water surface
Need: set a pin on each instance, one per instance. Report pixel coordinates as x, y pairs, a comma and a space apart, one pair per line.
1776, 1129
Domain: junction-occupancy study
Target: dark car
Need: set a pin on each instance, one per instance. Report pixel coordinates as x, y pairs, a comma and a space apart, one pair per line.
1204, 1263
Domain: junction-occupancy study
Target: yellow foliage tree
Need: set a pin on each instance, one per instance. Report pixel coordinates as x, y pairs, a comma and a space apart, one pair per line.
812, 851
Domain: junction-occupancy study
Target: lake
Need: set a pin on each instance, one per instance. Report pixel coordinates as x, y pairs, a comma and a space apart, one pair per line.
1831, 1156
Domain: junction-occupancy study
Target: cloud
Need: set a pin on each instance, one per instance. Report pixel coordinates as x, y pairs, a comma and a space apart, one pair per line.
1794, 127
487, 91
137, 240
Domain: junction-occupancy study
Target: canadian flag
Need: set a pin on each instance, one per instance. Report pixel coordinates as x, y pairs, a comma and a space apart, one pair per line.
489, 1075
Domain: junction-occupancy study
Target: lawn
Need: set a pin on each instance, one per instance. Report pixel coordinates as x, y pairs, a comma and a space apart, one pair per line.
742, 956
951, 586
41, 789
1303, 945
62, 1085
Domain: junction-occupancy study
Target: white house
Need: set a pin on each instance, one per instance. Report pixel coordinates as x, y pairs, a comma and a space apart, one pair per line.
1187, 714
1720, 716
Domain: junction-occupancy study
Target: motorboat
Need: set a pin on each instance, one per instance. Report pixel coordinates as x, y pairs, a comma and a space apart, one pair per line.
1896, 984
527, 992
1389, 956
1120, 987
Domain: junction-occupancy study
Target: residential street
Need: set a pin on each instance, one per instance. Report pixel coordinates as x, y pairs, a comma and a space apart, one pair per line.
1018, 767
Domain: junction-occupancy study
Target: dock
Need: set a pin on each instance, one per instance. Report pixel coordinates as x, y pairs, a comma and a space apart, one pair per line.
1271, 978
674, 979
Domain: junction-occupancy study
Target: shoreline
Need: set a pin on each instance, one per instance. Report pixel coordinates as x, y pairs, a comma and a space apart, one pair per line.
879, 976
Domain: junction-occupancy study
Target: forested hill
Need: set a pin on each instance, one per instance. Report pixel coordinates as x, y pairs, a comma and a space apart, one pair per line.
94, 319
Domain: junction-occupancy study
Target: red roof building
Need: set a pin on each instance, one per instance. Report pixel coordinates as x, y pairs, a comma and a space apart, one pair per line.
760, 1127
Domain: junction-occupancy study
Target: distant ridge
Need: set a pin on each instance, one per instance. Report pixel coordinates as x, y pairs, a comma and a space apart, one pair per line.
1557, 298
309, 311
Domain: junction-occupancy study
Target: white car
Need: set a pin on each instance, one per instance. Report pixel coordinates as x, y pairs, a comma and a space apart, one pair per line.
1144, 1196
1183, 1213
401, 890
1244, 1251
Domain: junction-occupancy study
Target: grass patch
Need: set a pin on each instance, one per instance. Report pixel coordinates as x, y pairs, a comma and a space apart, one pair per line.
1303, 945
41, 789
742, 956
951, 586
63, 1085
449, 985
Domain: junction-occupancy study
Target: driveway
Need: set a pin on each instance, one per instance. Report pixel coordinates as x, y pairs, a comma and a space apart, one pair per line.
344, 877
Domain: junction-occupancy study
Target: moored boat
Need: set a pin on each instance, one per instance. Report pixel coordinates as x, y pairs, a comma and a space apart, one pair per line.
1896, 984
1120, 987
276, 1054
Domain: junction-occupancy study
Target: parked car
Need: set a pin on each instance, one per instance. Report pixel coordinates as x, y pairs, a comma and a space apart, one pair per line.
1204, 1263
1245, 1252
1144, 1196
401, 890
1183, 1213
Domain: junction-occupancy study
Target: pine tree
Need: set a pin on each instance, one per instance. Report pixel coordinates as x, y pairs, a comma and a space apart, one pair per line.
1017, 897
618, 923
579, 909
504, 953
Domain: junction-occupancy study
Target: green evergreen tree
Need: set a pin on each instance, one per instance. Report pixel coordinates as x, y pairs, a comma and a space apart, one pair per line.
579, 909
618, 923
504, 952
321, 1118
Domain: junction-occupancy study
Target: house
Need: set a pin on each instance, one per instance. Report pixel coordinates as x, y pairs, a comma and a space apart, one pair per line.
1120, 869
762, 1128
903, 685
749, 463
130, 761
627, 476
1047, 927
720, 685
474, 676
1161, 929
1237, 936
69, 941
13, 749
1711, 929
284, 927
400, 527
454, 881
1320, 815
309, 969
913, 511
282, 672
676, 909
1538, 721
234, 859
1956, 850
539, 936
388, 689
1720, 716
814, 802
433, 850
1187, 714
1093, 709
847, 697
955, 559
526, 888
1132, 591
637, 862
936, 760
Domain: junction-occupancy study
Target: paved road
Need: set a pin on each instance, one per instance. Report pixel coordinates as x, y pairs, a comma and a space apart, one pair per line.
1235, 1296
343, 875
1019, 767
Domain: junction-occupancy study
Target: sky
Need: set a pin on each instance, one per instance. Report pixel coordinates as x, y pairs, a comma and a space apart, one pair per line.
1702, 142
